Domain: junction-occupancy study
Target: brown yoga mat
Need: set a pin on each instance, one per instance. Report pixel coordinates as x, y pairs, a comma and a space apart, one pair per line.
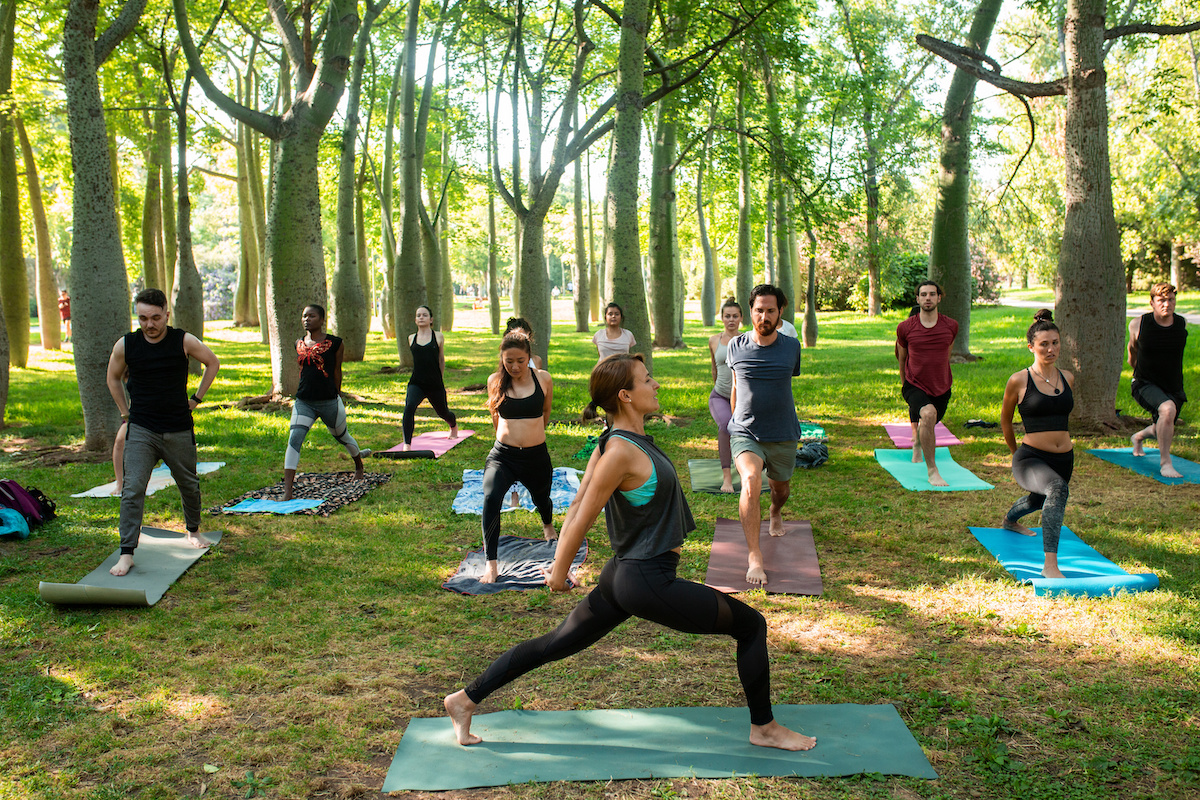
791, 559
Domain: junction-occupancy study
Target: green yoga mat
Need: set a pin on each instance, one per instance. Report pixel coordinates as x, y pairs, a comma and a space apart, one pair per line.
914, 476
618, 744
161, 557
707, 477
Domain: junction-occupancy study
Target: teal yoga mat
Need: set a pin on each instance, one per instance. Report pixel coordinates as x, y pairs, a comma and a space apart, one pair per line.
1087, 572
161, 557
913, 476
618, 744
1148, 464
706, 476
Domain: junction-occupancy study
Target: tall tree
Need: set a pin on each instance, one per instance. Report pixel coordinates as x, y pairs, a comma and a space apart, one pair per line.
582, 259
708, 287
47, 288
295, 258
949, 247
98, 283
745, 252
14, 285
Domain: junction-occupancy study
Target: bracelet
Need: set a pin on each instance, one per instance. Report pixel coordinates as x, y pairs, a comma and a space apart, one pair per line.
197, 399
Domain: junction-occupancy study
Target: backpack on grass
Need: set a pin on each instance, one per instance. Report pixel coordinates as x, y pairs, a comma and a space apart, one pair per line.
13, 522
32, 503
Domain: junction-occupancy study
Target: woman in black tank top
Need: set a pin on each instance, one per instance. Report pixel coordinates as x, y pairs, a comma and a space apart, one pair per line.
428, 348
640, 580
1044, 461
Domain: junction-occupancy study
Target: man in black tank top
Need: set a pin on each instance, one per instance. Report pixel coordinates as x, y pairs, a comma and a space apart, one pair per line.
159, 414
1156, 343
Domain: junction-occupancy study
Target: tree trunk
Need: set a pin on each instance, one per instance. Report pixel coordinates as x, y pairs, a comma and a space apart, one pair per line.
783, 249
1089, 292
772, 275
188, 291
593, 265
152, 272
386, 209
409, 286
245, 302
745, 255
168, 209
708, 289
47, 289
809, 332
98, 285
1178, 251
949, 248
582, 271
258, 208
624, 245
871, 188
662, 237
14, 283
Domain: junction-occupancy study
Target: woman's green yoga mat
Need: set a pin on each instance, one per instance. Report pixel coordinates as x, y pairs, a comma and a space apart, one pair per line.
617, 744
1148, 464
913, 475
1087, 572
161, 557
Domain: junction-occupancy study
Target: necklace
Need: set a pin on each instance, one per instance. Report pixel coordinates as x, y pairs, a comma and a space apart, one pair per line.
1056, 388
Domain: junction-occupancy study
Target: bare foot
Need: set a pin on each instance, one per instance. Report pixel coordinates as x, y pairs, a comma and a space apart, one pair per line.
460, 708
549, 532
936, 479
756, 575
1052, 572
195, 540
123, 565
727, 482
453, 431
490, 573
916, 453
775, 526
358, 468
1015, 527
1167, 469
116, 492
775, 735
286, 497
514, 501
1136, 441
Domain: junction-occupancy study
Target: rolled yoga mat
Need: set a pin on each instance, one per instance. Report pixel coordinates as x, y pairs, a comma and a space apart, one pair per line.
706, 476
161, 557
619, 744
1148, 464
521, 562
1087, 572
160, 478
901, 433
790, 560
914, 477
433, 444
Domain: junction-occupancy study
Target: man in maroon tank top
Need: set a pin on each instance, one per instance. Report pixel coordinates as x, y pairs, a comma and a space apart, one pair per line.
923, 346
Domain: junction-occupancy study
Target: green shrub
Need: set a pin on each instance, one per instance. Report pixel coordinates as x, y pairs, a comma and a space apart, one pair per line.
898, 277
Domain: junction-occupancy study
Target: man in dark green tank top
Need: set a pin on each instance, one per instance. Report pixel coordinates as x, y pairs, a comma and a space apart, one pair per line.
1156, 343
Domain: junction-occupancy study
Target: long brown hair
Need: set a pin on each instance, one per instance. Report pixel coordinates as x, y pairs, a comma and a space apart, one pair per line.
511, 341
609, 377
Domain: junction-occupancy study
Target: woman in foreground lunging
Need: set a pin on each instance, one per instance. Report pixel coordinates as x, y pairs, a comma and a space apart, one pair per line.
648, 518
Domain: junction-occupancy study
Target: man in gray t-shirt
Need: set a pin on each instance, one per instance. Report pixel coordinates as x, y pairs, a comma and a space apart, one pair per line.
764, 429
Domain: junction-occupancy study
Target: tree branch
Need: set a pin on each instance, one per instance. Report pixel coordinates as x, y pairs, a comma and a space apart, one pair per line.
121, 27
969, 61
291, 38
1146, 27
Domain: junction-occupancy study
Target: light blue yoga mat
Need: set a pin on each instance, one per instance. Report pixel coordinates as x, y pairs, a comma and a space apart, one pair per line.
1148, 464
1087, 572
263, 506
914, 476
564, 484
618, 744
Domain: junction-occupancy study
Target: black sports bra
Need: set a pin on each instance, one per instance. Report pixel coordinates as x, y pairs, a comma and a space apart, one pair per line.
1045, 412
530, 407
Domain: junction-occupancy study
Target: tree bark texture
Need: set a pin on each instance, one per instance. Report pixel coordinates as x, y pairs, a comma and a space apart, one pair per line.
14, 283
1090, 290
46, 288
167, 210
152, 268
708, 289
187, 296
582, 271
662, 236
98, 284
745, 254
245, 299
949, 248
409, 284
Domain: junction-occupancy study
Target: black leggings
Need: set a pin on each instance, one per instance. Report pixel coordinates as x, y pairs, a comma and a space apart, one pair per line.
1046, 476
506, 465
650, 590
436, 395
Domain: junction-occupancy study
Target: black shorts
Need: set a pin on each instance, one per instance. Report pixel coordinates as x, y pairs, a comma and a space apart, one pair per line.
917, 399
1150, 397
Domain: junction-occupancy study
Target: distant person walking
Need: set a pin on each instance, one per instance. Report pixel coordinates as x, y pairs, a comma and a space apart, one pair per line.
612, 339
1156, 343
64, 310
923, 346
319, 395
427, 382
159, 415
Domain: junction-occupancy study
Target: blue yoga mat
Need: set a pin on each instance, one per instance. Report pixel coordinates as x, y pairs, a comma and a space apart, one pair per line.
617, 744
1087, 572
564, 484
1148, 464
915, 477
264, 506
520, 561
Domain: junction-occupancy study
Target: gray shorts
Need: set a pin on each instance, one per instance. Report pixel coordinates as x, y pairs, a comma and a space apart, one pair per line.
779, 458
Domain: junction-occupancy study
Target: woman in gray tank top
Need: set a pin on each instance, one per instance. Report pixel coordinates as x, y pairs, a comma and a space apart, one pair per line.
718, 400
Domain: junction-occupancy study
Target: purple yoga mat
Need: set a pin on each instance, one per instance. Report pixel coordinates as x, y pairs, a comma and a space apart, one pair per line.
437, 441
790, 560
901, 433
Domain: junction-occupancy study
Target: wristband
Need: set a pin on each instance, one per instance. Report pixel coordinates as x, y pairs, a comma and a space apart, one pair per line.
197, 399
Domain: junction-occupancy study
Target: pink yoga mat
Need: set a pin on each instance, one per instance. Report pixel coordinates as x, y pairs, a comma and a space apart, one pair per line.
791, 559
437, 441
901, 433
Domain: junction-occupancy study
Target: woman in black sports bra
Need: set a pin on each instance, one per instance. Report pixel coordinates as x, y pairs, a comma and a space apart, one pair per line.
427, 381
519, 398
1043, 463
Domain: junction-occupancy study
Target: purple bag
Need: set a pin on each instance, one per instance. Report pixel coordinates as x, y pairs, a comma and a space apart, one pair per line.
13, 495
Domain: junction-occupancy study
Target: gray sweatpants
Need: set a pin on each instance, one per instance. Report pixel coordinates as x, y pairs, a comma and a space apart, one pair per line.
143, 449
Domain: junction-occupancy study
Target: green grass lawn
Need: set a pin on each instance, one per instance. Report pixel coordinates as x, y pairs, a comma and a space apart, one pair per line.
291, 657
1187, 302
